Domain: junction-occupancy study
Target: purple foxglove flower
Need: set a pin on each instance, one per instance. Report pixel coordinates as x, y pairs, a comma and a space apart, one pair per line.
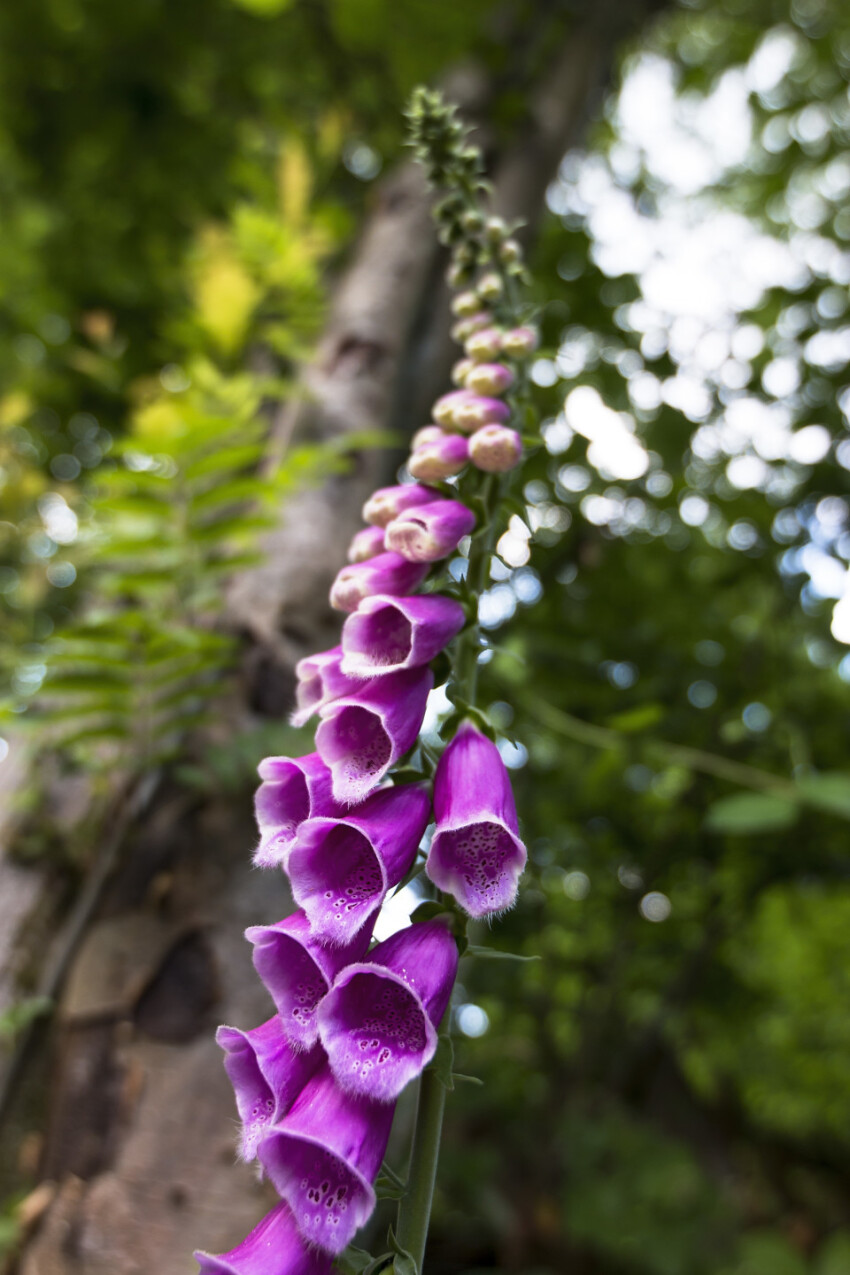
360, 736
319, 681
427, 434
445, 408
476, 854
465, 327
489, 378
297, 971
387, 634
483, 345
267, 1075
431, 531
323, 1157
440, 459
386, 573
293, 789
495, 449
520, 342
341, 869
365, 544
460, 370
378, 1022
274, 1247
476, 411
387, 502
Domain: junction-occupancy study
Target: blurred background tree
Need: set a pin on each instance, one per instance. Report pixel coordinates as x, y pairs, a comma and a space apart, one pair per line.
665, 1089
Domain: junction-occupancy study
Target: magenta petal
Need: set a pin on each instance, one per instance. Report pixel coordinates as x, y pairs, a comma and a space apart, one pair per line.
297, 971
476, 854
267, 1075
360, 736
274, 1247
378, 1023
388, 634
293, 789
323, 1157
431, 531
366, 544
341, 869
320, 680
387, 573
387, 502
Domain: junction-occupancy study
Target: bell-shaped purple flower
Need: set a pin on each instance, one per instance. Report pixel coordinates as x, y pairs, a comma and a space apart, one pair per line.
267, 1075
387, 634
387, 502
297, 971
385, 573
323, 1157
320, 680
476, 854
430, 532
496, 449
476, 410
378, 1022
274, 1247
341, 869
360, 736
365, 544
439, 458
293, 789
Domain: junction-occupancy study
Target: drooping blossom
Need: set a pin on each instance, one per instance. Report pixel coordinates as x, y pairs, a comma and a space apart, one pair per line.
323, 1157
341, 869
489, 378
385, 573
483, 345
293, 789
495, 449
366, 543
378, 1022
387, 634
267, 1074
297, 970
320, 680
361, 735
274, 1247
440, 458
477, 410
475, 854
430, 532
387, 502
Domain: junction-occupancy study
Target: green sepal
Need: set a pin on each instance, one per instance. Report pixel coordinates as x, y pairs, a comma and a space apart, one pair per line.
470, 1080
386, 1189
404, 1263
494, 954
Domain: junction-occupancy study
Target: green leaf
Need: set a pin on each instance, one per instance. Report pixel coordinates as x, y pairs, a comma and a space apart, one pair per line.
751, 813
386, 1189
829, 791
495, 954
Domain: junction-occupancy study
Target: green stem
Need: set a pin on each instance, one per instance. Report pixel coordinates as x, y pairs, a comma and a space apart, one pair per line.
414, 1212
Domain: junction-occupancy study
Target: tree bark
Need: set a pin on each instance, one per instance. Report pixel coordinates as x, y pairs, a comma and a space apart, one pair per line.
138, 1153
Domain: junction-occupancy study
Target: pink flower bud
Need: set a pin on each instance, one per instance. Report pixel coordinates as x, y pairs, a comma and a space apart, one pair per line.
520, 342
495, 449
430, 532
387, 502
387, 573
445, 408
427, 434
460, 370
443, 458
489, 378
465, 304
464, 328
475, 412
366, 544
485, 345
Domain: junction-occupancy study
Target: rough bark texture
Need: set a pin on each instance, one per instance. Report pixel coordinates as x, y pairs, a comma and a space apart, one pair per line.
140, 1143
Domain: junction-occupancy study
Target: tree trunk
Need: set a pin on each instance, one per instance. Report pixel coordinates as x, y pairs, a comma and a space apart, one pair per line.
138, 1155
